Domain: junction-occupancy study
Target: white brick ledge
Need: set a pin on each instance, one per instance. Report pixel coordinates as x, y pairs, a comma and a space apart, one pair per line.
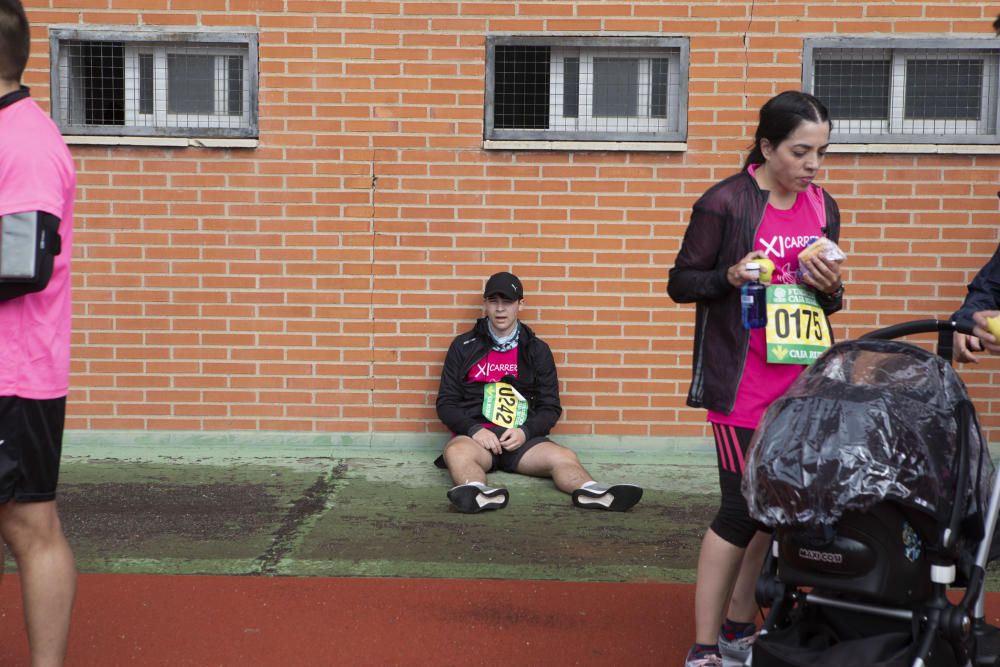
168, 142
647, 146
935, 149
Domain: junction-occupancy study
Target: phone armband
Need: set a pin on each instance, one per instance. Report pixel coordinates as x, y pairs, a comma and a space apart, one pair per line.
28, 242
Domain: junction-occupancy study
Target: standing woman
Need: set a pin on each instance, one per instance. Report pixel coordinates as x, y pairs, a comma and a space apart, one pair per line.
770, 209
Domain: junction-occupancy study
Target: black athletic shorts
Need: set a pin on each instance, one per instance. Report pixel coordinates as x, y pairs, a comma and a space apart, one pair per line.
505, 461
31, 433
733, 522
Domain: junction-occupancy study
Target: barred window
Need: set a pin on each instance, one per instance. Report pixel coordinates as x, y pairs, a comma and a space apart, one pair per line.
151, 82
586, 89
906, 91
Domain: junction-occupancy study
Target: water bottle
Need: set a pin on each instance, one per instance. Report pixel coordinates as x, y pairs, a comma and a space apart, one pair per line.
753, 299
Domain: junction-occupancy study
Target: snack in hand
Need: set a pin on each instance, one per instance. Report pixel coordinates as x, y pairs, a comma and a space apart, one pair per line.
766, 269
825, 247
822, 247
993, 326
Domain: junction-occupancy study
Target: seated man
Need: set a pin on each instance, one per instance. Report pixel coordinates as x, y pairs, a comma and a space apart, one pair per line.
499, 395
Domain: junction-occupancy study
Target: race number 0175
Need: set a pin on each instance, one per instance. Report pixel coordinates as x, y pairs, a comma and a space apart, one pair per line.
811, 327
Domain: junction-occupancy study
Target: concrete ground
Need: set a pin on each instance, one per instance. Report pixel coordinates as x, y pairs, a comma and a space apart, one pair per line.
343, 506
282, 505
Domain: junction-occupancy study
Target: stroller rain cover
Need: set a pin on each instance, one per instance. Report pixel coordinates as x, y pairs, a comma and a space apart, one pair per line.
870, 420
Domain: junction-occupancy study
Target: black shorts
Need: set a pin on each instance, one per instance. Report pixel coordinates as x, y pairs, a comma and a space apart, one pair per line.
733, 522
506, 461
31, 433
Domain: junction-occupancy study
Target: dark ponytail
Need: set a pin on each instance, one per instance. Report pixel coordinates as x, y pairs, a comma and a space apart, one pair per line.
779, 117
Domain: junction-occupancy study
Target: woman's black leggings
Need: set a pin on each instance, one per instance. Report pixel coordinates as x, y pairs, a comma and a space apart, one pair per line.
733, 522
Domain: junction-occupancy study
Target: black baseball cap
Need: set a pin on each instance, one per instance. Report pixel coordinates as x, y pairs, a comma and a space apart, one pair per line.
506, 285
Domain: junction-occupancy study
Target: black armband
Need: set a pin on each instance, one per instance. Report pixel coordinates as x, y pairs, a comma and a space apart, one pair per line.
29, 243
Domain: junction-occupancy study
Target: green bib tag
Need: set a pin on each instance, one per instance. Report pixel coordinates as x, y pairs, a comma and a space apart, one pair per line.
503, 405
797, 328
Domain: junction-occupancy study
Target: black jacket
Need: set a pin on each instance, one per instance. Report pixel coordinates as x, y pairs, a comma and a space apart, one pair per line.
460, 403
984, 291
721, 232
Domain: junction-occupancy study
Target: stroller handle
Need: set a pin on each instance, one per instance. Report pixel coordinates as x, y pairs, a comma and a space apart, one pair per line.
944, 329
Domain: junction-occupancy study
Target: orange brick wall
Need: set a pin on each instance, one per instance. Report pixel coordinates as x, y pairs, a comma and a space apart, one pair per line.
313, 283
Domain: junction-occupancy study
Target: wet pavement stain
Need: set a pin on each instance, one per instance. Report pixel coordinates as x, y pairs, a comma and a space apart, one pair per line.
119, 513
128, 513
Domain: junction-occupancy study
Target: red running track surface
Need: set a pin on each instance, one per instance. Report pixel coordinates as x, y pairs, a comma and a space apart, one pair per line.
290, 621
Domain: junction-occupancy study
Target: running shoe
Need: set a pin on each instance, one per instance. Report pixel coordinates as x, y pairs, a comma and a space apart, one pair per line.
615, 498
476, 497
703, 660
735, 651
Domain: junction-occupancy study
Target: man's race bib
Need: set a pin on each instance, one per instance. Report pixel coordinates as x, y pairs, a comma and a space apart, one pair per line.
503, 405
797, 329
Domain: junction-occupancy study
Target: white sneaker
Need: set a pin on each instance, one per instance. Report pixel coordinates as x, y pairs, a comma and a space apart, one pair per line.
736, 652
476, 497
710, 660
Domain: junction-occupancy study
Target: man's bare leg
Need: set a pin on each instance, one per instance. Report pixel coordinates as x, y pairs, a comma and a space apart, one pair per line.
467, 461
547, 459
45, 564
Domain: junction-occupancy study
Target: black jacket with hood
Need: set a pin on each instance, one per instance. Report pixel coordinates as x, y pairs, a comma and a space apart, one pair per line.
721, 232
460, 403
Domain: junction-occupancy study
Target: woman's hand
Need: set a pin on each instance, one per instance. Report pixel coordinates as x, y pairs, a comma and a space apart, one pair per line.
981, 340
965, 347
822, 274
737, 274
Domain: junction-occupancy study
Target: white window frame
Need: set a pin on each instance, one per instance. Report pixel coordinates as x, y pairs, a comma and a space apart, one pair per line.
898, 123
586, 128
160, 43
161, 117
866, 126
896, 128
585, 121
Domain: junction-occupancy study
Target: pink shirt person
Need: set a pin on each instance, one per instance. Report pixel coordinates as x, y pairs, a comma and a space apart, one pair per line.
782, 235
37, 174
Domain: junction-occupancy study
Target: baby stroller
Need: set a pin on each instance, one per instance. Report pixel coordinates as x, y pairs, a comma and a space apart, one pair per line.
875, 476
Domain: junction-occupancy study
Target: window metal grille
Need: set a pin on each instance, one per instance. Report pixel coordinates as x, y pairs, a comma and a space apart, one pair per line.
945, 89
578, 89
924, 91
154, 83
522, 87
854, 89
